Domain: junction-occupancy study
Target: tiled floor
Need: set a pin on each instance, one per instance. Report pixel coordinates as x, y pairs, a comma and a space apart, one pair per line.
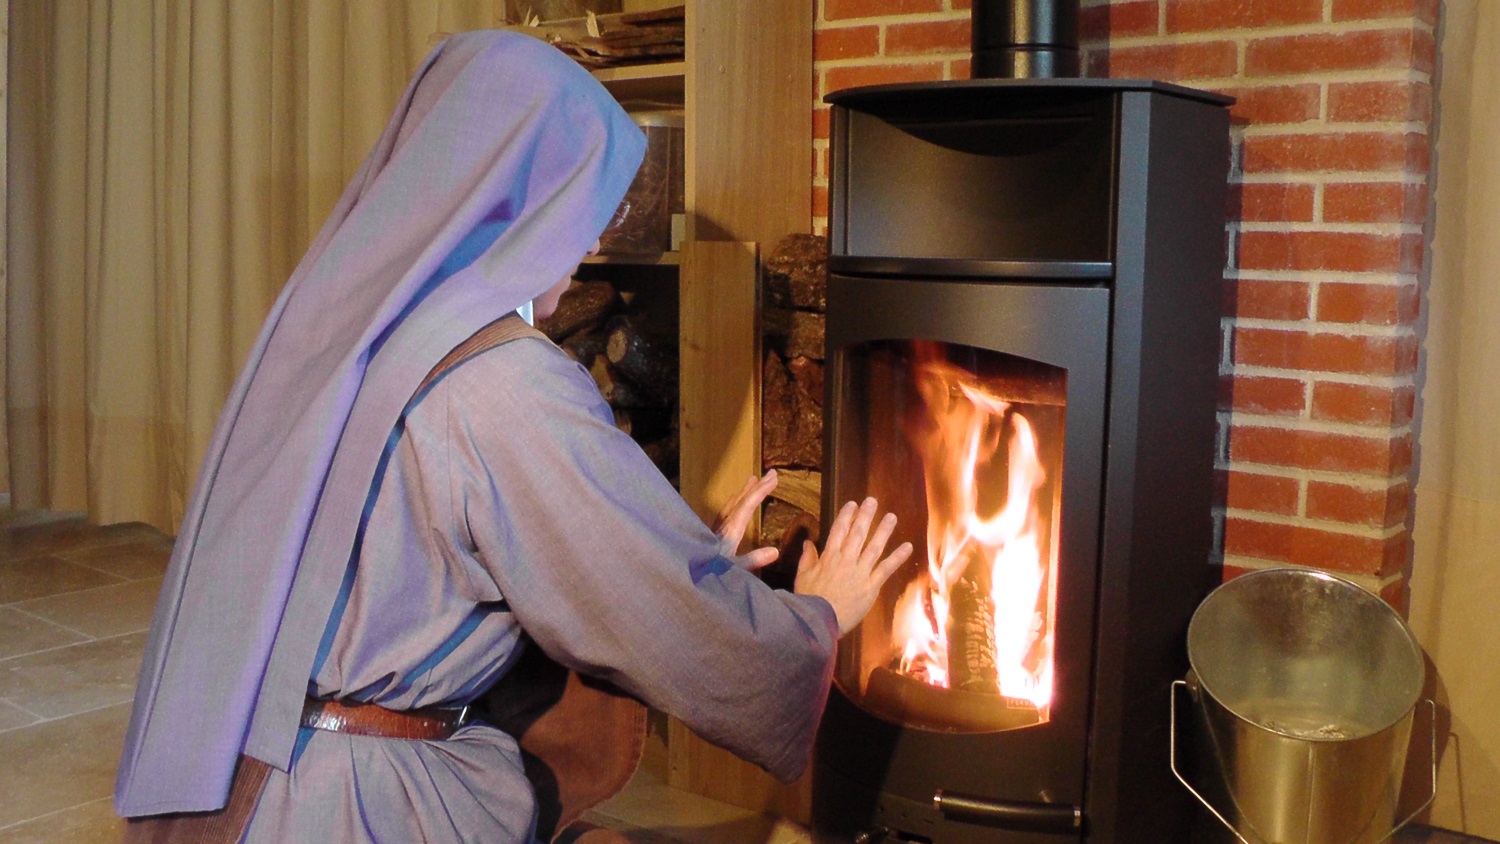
75, 602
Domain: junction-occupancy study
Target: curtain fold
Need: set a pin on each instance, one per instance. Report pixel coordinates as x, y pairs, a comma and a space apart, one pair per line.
169, 161
1455, 585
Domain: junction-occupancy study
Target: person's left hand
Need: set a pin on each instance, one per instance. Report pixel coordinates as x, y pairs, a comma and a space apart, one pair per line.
734, 519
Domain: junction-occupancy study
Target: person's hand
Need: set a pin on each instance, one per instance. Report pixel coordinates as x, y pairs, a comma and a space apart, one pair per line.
734, 520
850, 571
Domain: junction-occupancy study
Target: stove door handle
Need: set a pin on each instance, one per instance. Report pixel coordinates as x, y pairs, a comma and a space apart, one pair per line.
1009, 814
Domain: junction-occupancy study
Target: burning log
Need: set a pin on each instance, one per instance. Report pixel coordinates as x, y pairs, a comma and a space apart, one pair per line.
913, 702
971, 639
584, 307
649, 364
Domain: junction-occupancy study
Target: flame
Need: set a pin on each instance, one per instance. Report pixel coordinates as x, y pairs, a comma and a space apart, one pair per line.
960, 437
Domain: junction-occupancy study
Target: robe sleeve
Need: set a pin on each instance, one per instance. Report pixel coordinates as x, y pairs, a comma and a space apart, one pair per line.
612, 574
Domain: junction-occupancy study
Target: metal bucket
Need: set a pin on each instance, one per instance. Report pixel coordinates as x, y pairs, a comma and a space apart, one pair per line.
1305, 686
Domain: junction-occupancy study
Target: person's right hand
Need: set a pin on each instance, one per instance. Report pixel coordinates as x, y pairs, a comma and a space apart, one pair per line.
850, 571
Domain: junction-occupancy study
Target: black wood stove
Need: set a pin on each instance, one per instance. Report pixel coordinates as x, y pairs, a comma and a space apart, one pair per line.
1023, 342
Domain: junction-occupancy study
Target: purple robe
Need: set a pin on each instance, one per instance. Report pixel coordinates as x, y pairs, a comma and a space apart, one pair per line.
500, 166
511, 503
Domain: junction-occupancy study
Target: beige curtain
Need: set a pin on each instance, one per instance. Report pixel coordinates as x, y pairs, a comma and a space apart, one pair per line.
1456, 570
169, 160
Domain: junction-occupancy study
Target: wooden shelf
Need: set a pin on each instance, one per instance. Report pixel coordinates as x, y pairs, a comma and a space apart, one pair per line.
657, 259
655, 85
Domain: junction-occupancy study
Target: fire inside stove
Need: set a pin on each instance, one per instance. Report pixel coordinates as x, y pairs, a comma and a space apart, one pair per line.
965, 445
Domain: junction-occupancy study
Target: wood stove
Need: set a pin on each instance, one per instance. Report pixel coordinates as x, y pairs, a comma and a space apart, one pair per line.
1023, 343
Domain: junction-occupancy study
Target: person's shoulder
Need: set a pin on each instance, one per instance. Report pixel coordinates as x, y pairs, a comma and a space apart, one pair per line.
525, 366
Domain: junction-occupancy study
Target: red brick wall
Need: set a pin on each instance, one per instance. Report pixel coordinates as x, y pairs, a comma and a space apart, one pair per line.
1329, 178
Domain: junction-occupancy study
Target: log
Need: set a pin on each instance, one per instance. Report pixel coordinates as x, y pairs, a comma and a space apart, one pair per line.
808, 374
645, 424
785, 527
585, 306
796, 273
791, 421
665, 454
616, 391
649, 364
800, 488
794, 334
584, 346
971, 638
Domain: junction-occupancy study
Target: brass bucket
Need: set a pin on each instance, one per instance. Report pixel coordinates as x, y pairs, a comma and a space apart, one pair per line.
1305, 686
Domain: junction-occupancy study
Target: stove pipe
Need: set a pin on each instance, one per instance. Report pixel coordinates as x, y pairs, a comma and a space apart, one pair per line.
1025, 39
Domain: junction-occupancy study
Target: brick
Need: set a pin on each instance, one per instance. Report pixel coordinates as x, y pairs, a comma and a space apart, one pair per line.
1367, 304
1333, 251
1362, 152
849, 42
1363, 404
958, 69
1397, 595
1262, 493
1283, 300
1264, 395
1381, 508
1378, 456
1274, 104
1375, 202
822, 122
819, 201
1315, 52
1425, 11
1208, 15
1206, 60
1375, 102
1306, 546
1119, 20
923, 37
1271, 202
1320, 352
834, 10
839, 78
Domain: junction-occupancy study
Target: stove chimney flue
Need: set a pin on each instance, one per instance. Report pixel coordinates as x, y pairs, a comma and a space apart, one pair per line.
1025, 39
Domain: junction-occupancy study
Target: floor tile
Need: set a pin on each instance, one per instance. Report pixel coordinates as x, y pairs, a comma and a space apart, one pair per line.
93, 822
12, 717
38, 577
69, 762
140, 560
75, 679
100, 612
24, 633
71, 534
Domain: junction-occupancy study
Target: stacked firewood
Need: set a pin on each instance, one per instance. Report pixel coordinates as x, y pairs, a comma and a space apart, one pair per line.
632, 355
795, 302
613, 40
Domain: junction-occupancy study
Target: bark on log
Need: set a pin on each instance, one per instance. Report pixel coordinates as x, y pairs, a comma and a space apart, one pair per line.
971, 640
794, 334
649, 364
585, 306
584, 346
785, 527
617, 391
796, 273
791, 421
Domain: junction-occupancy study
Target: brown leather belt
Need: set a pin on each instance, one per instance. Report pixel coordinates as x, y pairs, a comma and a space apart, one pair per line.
368, 719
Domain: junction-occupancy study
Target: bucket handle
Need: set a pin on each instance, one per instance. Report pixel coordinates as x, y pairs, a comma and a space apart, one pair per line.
1432, 749
1178, 774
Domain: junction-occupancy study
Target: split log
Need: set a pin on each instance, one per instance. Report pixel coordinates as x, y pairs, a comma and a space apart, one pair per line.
649, 364
645, 424
800, 488
785, 527
791, 421
617, 391
585, 306
808, 374
796, 273
584, 346
794, 333
971, 638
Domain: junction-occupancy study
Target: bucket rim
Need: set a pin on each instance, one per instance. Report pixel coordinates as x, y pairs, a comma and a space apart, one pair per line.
1196, 676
